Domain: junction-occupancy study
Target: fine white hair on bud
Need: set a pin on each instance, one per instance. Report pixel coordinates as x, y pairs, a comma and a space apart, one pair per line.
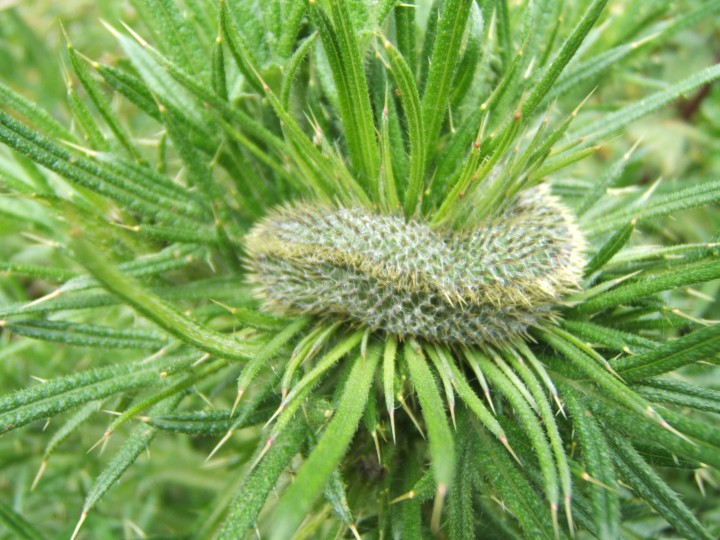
485, 285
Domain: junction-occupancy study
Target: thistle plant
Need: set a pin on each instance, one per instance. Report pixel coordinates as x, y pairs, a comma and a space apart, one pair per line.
335, 269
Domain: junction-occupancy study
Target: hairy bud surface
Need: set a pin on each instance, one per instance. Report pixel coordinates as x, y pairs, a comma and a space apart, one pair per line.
481, 286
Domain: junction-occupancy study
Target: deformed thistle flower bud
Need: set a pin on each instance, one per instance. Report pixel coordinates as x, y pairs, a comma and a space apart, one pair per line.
486, 285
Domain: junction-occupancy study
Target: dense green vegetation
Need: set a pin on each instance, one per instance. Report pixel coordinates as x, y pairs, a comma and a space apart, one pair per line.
147, 392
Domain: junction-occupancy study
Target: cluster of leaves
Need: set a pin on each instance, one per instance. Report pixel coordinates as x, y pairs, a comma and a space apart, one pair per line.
441, 111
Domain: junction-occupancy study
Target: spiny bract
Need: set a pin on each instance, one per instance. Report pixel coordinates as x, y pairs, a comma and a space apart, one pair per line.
484, 285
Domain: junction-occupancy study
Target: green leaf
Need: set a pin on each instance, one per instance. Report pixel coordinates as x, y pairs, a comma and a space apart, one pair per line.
612, 338
531, 425
442, 445
192, 376
18, 525
136, 444
551, 427
387, 187
39, 272
215, 422
503, 101
389, 379
612, 122
69, 427
36, 115
405, 31
301, 390
346, 62
217, 71
410, 99
130, 86
596, 455
669, 445
650, 283
64, 393
201, 177
453, 156
445, 57
461, 519
471, 59
86, 173
680, 393
336, 495
613, 388
599, 187
317, 168
155, 309
442, 367
504, 32
268, 350
325, 457
358, 93
85, 121
705, 193
293, 67
101, 103
405, 516
608, 250
267, 30
258, 485
86, 335
466, 393
176, 35
490, 192
646, 483
599, 64
169, 259
698, 345
503, 475
561, 161
238, 48
566, 53
306, 348
162, 84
